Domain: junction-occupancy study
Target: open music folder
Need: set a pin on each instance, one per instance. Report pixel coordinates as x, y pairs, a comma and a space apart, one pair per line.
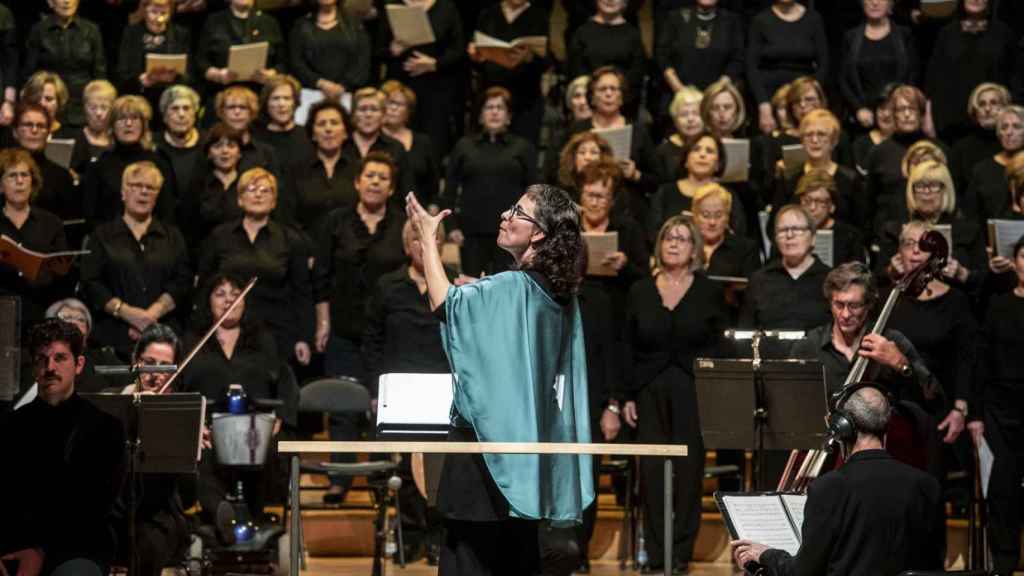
770, 518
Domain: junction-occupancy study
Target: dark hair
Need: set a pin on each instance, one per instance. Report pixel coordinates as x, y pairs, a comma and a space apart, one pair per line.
603, 170
848, 275
378, 157
25, 107
202, 317
689, 146
157, 334
1018, 246
221, 131
605, 71
326, 104
559, 255
53, 330
491, 93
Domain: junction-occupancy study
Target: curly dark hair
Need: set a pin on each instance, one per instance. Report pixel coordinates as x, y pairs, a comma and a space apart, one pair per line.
157, 334
202, 317
559, 256
53, 330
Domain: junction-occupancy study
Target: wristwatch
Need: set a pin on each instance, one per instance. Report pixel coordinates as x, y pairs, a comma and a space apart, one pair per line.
962, 411
613, 408
907, 370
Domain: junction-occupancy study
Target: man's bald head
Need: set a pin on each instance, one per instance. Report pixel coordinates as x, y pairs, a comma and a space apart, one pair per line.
869, 409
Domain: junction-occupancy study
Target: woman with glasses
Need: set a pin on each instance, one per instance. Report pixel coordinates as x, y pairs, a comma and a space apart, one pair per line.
367, 136
684, 109
422, 158
987, 100
816, 191
33, 228
989, 187
31, 132
137, 271
508, 337
672, 317
277, 128
786, 293
725, 252
486, 172
101, 187
257, 245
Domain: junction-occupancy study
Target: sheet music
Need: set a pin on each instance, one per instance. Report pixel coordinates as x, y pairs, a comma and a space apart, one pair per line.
59, 151
947, 231
176, 62
620, 139
985, 461
599, 246
794, 504
793, 156
245, 60
1003, 234
415, 399
410, 25
824, 247
308, 97
938, 8
736, 280
762, 519
737, 160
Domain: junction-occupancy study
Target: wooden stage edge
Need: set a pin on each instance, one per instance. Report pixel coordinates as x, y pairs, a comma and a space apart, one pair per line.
324, 447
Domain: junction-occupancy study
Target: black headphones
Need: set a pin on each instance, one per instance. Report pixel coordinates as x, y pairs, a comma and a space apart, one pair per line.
842, 427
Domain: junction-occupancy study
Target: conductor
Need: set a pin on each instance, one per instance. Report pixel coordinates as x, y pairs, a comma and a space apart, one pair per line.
874, 516
514, 343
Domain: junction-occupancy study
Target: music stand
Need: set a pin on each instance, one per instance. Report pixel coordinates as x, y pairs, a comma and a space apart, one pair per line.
771, 405
162, 436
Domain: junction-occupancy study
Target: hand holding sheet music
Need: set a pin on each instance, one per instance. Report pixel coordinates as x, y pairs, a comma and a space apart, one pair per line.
410, 25
246, 61
769, 519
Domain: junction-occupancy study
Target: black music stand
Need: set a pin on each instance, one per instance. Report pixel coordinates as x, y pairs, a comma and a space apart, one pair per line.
770, 405
162, 436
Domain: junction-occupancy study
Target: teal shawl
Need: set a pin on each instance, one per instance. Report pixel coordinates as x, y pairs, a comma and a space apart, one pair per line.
519, 375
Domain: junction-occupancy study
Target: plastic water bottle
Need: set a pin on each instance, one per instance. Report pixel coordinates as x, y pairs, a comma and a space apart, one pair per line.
390, 547
237, 401
641, 550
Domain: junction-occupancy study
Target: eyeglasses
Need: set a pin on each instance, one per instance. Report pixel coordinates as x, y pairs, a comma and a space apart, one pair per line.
34, 125
813, 135
910, 243
854, 307
256, 190
678, 238
142, 186
711, 215
928, 188
791, 231
597, 198
128, 120
516, 211
811, 202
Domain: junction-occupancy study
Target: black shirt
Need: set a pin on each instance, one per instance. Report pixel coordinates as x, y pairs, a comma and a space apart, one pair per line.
775, 300
316, 194
183, 164
869, 65
75, 53
215, 204
989, 191
702, 50
42, 232
8, 50
101, 188
424, 168
448, 48
136, 271
223, 30
282, 298
779, 52
595, 44
632, 243
657, 338
402, 335
136, 43
1001, 364
979, 144
340, 54
383, 143
524, 80
354, 259
736, 256
485, 176
59, 193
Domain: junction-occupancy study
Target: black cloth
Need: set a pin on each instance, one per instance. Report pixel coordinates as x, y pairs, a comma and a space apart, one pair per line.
889, 509
633, 243
989, 191
670, 201
886, 186
58, 194
317, 195
353, 260
136, 271
68, 468
340, 54
136, 43
84, 154
779, 52
222, 30
181, 165
74, 53
486, 175
979, 144
596, 44
661, 346
971, 58
43, 232
161, 529
101, 187
851, 204
424, 167
8, 50
736, 256
209, 205
870, 65
775, 300
401, 334
292, 149
667, 158
283, 297
700, 49
403, 179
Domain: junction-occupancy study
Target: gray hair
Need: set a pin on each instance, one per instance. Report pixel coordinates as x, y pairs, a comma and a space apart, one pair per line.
73, 303
848, 275
870, 410
178, 92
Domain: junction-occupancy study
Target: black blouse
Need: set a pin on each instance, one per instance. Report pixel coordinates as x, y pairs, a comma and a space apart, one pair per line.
1000, 362
524, 80
779, 52
75, 53
633, 243
595, 44
316, 195
393, 148
736, 257
136, 43
870, 65
657, 338
43, 232
852, 205
8, 50
223, 30
354, 258
340, 54
101, 187
989, 191
448, 48
702, 50
424, 168
136, 271
283, 296
979, 144
486, 176
775, 300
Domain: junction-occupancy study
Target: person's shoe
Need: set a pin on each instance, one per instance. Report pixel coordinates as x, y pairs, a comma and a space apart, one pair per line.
433, 554
226, 523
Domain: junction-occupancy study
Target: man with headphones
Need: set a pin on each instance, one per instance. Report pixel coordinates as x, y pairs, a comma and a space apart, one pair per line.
875, 516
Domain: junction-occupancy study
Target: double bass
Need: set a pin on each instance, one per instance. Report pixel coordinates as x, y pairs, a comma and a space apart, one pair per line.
902, 438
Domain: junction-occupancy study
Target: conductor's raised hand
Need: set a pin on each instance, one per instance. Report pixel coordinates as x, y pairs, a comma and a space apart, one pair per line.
425, 223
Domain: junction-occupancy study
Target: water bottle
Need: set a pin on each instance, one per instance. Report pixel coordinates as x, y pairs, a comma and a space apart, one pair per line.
237, 401
641, 550
390, 547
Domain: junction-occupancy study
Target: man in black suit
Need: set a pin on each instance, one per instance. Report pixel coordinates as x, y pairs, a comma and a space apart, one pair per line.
875, 516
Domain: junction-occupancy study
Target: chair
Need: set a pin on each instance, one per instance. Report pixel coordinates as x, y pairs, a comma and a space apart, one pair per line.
624, 467
344, 395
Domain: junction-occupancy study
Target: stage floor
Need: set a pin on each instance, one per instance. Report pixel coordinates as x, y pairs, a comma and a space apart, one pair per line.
361, 567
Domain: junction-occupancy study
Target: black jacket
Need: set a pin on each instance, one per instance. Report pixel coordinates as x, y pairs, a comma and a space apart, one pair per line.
875, 516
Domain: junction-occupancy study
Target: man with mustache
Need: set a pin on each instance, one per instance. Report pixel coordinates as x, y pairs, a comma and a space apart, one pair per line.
65, 467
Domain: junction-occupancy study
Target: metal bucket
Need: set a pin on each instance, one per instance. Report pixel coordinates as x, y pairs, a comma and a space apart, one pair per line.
242, 439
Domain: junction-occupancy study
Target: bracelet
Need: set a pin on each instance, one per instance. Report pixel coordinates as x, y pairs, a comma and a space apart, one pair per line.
117, 309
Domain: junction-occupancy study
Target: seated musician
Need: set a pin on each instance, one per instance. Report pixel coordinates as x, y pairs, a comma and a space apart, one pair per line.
64, 467
161, 530
875, 515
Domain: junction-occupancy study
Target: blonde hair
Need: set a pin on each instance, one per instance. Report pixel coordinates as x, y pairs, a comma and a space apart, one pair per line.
32, 91
134, 106
796, 90
711, 190
255, 175
936, 171
712, 91
919, 149
250, 98
99, 89
143, 169
395, 87
821, 116
696, 255
689, 95
368, 93
577, 83
1014, 109
973, 103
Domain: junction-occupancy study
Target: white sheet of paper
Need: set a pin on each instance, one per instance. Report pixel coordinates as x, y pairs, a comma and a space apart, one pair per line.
415, 399
308, 97
762, 519
737, 160
176, 62
620, 139
59, 151
824, 247
245, 60
762, 222
600, 245
985, 461
794, 504
947, 231
1003, 234
410, 25
793, 156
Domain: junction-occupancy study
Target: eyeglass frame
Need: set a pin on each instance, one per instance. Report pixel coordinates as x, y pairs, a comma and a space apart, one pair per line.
516, 211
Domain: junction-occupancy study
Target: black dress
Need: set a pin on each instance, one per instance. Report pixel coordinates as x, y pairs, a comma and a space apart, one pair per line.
779, 52
42, 232
595, 44
661, 345
340, 54
701, 49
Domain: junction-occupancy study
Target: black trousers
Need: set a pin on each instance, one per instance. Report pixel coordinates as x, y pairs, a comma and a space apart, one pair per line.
667, 410
508, 547
1004, 431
